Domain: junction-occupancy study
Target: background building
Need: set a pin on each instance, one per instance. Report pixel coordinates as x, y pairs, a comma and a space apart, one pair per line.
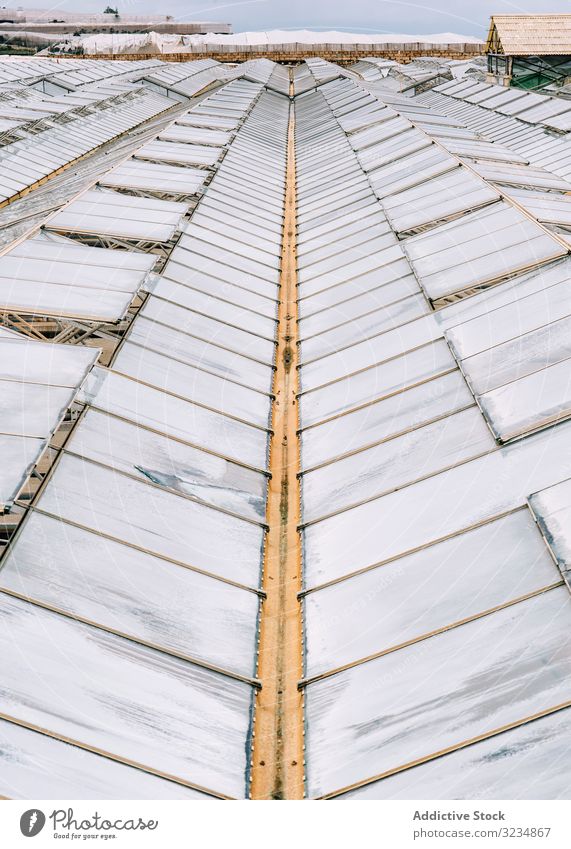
529, 51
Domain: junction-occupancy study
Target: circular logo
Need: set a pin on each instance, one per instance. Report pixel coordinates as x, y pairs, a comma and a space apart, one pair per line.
32, 822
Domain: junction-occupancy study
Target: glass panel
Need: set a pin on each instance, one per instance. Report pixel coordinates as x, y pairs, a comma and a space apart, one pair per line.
163, 151
530, 402
30, 409
552, 508
510, 311
309, 283
207, 478
195, 135
374, 383
213, 296
386, 285
479, 247
378, 349
134, 593
195, 266
361, 327
422, 592
18, 454
176, 417
41, 362
518, 357
392, 464
431, 509
209, 357
381, 420
193, 384
153, 519
162, 178
45, 299
431, 695
436, 199
129, 700
34, 766
410, 171
529, 762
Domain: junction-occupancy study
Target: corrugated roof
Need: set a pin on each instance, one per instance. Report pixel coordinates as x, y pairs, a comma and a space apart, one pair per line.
525, 35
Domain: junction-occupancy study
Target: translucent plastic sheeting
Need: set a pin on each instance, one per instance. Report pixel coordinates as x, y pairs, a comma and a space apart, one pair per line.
188, 154
128, 448
375, 382
458, 685
134, 702
35, 766
528, 762
552, 510
186, 381
477, 249
149, 176
376, 422
390, 465
173, 416
133, 593
433, 508
155, 520
437, 199
424, 592
112, 214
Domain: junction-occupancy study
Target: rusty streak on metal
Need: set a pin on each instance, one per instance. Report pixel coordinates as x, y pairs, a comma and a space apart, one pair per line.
277, 764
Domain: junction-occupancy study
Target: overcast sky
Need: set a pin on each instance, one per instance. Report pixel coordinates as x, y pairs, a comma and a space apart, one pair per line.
395, 16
